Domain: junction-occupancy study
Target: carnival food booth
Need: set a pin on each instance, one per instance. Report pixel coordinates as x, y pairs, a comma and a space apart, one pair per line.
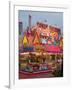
40, 51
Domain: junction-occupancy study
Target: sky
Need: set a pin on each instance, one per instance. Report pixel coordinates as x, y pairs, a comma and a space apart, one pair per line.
51, 18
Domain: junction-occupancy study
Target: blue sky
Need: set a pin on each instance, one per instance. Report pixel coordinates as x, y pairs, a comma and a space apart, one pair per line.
51, 18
